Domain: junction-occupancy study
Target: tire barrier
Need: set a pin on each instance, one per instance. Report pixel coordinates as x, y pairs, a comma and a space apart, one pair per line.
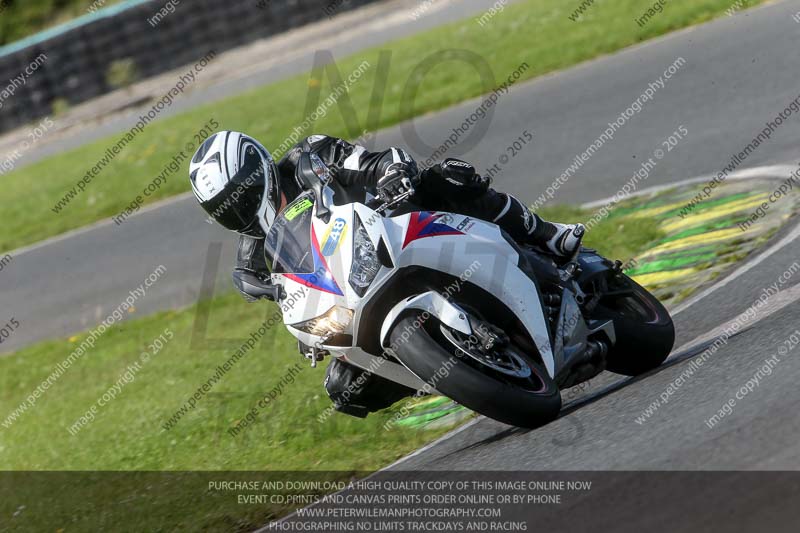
80, 57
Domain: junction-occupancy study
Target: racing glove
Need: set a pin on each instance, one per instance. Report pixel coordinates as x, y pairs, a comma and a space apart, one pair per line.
398, 179
454, 178
251, 275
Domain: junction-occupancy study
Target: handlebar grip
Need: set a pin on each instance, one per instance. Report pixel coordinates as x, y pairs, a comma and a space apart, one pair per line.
375, 203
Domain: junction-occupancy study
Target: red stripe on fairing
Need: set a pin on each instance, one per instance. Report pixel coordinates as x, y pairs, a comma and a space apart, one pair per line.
419, 222
320, 265
315, 244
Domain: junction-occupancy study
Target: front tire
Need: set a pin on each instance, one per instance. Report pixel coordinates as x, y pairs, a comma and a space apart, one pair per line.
428, 355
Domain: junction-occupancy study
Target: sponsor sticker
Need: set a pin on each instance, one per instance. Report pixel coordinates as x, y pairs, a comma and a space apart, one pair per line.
527, 219
446, 219
293, 210
334, 236
457, 163
464, 223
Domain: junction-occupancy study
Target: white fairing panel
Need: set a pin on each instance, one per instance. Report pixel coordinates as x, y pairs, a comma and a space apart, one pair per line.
474, 251
464, 247
327, 286
436, 305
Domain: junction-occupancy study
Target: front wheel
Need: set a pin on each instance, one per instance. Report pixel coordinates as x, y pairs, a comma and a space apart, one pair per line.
644, 329
510, 387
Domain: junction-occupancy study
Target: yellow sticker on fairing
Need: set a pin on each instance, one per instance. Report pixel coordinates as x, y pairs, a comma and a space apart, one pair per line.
293, 210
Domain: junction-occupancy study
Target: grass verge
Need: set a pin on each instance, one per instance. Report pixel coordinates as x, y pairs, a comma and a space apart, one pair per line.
538, 33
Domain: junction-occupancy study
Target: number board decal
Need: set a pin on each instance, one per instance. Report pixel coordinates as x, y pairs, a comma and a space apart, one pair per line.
334, 236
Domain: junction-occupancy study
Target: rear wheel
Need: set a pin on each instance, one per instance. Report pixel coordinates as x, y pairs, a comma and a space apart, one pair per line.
500, 381
644, 329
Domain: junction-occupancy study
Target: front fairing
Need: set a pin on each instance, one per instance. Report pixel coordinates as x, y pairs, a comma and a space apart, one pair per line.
318, 280
466, 248
471, 251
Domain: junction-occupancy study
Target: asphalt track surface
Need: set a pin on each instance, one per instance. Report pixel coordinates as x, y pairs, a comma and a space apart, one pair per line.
739, 73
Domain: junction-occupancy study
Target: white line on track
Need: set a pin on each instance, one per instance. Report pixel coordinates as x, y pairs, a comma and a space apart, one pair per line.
764, 172
430, 445
773, 305
778, 172
425, 448
99, 224
788, 239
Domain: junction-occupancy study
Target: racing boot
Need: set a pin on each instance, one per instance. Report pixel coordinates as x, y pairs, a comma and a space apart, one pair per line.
565, 240
562, 240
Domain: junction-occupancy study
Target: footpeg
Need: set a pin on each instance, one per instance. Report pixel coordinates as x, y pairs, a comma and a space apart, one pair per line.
312, 353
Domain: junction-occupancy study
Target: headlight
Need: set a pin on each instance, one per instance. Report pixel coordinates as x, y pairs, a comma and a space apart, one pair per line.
334, 321
365, 260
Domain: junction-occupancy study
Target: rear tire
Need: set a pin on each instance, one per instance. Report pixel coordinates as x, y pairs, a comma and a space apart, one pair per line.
644, 329
425, 354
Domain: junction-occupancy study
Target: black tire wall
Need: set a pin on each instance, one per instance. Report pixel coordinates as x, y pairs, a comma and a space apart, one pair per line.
78, 60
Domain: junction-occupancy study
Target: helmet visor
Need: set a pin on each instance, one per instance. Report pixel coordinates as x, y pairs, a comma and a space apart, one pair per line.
238, 207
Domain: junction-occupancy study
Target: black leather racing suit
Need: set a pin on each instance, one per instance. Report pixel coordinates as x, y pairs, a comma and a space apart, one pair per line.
357, 170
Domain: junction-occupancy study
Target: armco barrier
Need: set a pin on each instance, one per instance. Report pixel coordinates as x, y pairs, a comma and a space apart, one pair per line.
80, 53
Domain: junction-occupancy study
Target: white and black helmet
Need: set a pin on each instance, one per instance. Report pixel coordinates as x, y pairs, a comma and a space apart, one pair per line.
236, 181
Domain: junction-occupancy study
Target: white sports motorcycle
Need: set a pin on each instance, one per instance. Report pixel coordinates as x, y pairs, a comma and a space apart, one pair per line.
449, 304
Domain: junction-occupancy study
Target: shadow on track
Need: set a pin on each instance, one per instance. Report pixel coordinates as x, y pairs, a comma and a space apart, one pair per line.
572, 407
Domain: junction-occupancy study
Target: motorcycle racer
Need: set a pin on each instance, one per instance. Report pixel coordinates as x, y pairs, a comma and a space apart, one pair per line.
237, 182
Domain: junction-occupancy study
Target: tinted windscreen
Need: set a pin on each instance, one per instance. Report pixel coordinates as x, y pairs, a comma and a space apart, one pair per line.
288, 243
